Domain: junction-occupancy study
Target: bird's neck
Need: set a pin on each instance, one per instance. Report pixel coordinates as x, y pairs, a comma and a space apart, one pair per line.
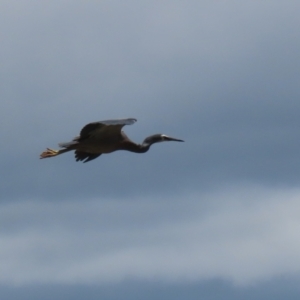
137, 148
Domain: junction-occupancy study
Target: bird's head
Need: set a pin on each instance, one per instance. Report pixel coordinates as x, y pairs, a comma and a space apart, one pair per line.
157, 138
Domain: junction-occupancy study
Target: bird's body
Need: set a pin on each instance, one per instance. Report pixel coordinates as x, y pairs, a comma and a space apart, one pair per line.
104, 137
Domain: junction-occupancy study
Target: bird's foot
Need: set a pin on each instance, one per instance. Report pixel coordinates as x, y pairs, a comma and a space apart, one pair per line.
49, 153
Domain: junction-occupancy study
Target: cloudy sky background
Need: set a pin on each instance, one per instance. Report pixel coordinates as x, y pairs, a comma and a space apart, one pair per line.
216, 217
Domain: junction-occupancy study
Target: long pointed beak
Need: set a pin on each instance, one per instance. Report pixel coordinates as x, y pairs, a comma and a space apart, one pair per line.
168, 138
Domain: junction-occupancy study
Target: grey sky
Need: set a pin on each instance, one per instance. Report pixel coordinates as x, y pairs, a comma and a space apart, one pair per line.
220, 210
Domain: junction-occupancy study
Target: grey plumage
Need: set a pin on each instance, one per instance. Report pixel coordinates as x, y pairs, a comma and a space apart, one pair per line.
105, 137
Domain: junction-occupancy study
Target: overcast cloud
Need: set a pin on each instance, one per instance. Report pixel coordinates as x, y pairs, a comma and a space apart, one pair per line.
216, 215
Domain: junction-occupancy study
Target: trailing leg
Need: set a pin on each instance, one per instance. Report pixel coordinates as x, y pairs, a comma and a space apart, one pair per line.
50, 152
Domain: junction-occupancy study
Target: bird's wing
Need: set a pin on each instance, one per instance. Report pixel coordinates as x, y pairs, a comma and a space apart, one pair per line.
104, 128
85, 157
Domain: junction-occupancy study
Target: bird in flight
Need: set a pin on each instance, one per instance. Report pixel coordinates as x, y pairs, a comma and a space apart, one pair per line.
105, 137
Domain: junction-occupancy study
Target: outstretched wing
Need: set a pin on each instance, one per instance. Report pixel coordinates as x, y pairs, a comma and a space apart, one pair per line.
104, 128
100, 130
85, 157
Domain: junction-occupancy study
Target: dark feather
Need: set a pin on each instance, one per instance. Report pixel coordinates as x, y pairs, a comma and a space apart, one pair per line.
87, 129
84, 156
104, 128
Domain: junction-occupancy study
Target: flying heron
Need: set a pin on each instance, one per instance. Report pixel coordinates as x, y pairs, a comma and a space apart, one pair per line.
105, 137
